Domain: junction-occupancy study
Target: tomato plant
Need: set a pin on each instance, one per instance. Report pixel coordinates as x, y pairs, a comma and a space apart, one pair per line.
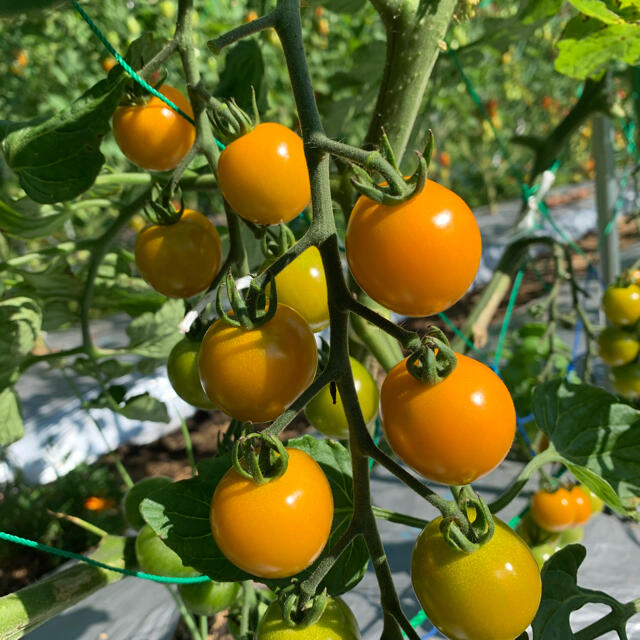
182, 370
209, 598
452, 432
136, 494
277, 529
622, 304
254, 374
336, 623
617, 346
181, 259
302, 286
329, 417
155, 557
263, 175
151, 134
490, 594
386, 248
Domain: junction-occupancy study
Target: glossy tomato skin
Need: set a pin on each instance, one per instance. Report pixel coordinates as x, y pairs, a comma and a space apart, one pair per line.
263, 175
553, 511
255, 374
416, 258
336, 623
182, 369
626, 380
179, 260
622, 305
490, 594
453, 432
153, 136
330, 418
155, 557
302, 286
617, 346
582, 506
277, 529
209, 598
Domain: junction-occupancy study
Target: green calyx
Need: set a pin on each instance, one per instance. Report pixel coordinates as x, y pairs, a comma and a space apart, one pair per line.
229, 121
260, 457
471, 525
434, 360
249, 312
161, 209
397, 189
276, 243
301, 609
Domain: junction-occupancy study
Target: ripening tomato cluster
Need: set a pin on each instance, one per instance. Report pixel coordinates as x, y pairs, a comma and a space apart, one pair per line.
618, 344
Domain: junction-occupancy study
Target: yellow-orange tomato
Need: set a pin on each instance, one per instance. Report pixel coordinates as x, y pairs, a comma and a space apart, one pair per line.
617, 346
582, 506
255, 374
622, 305
152, 135
452, 432
490, 594
276, 529
263, 175
179, 260
302, 286
416, 258
553, 511
108, 63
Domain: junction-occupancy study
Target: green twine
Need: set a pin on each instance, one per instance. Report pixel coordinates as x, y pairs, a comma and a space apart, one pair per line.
461, 335
96, 563
122, 62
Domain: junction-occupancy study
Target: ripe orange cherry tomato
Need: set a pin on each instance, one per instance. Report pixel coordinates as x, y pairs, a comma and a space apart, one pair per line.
263, 175
416, 258
302, 286
452, 432
330, 418
490, 594
179, 260
582, 506
622, 305
617, 346
276, 529
255, 374
553, 511
152, 135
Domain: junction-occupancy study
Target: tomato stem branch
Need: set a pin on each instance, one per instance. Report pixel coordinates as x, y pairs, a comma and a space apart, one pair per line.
399, 518
243, 31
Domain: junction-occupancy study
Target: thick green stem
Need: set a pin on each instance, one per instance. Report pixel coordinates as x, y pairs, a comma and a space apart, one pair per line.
399, 518
186, 615
415, 31
616, 620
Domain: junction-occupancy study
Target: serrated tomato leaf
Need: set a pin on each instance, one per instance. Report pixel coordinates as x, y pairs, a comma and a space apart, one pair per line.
596, 436
179, 514
60, 158
11, 426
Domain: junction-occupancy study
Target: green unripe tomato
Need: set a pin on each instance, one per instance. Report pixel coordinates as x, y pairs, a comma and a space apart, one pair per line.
626, 380
622, 305
155, 557
336, 623
209, 598
571, 536
329, 418
182, 369
543, 552
617, 346
168, 9
136, 494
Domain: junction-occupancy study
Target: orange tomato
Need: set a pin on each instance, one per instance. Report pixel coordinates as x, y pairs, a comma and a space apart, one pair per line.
553, 511
255, 374
582, 506
263, 175
276, 529
152, 135
416, 258
179, 260
452, 432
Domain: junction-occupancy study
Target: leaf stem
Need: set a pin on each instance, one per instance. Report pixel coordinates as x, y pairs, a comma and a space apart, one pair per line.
399, 518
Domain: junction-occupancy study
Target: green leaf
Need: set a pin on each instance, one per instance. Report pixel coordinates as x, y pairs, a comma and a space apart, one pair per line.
109, 369
561, 595
534, 10
11, 8
145, 407
597, 9
153, 335
179, 514
60, 158
23, 225
597, 437
21, 321
244, 68
589, 56
11, 427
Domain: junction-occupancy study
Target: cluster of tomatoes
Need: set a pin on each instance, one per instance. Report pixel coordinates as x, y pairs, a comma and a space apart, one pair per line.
453, 432
618, 343
556, 518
